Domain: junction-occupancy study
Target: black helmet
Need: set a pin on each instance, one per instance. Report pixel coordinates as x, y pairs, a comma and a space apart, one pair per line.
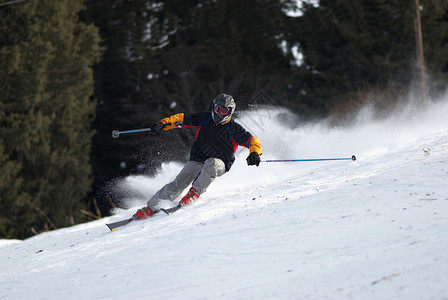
223, 108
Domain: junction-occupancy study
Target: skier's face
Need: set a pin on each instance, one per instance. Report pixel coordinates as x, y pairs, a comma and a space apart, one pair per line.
221, 110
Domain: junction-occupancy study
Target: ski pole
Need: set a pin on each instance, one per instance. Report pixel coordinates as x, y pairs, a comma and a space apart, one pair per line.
116, 133
309, 159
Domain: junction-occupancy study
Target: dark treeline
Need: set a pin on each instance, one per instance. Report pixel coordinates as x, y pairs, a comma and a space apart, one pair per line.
46, 112
72, 71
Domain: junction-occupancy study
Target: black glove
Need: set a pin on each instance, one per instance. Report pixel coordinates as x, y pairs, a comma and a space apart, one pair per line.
253, 159
157, 126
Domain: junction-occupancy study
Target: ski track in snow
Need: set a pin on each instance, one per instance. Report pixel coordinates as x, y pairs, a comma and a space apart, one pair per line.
376, 228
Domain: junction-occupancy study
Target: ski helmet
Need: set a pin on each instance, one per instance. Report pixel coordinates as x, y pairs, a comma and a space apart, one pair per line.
223, 108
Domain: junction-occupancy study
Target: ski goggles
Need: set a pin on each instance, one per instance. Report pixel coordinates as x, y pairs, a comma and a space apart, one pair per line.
221, 110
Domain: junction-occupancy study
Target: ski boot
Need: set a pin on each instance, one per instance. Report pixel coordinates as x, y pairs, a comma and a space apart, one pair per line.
189, 197
143, 213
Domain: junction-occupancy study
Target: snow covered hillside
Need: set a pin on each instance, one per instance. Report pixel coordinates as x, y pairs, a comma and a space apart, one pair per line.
376, 228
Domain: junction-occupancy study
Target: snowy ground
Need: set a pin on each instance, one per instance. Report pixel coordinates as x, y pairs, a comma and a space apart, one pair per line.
376, 228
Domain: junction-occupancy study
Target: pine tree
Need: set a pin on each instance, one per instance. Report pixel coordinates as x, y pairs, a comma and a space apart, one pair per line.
348, 45
434, 16
351, 46
46, 114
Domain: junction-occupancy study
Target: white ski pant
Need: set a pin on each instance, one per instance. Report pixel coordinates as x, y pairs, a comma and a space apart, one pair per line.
201, 174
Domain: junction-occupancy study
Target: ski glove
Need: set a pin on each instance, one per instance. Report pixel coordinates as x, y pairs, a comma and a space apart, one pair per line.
253, 159
157, 126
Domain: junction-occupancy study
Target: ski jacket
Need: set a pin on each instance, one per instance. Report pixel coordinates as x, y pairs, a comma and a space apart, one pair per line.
214, 141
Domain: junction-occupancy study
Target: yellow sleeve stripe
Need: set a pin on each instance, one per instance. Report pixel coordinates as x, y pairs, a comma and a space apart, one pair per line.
175, 121
255, 145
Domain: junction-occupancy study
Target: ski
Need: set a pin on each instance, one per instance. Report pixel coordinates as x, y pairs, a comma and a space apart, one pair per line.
115, 225
170, 211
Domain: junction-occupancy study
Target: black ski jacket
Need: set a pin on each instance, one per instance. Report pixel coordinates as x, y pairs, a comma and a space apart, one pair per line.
216, 141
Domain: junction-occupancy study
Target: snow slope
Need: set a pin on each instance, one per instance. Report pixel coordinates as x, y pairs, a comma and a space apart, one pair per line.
376, 228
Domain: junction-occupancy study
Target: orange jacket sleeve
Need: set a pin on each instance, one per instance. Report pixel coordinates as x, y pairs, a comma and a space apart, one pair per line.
255, 145
175, 121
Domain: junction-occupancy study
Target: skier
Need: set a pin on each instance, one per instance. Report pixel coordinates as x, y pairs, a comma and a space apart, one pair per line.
211, 155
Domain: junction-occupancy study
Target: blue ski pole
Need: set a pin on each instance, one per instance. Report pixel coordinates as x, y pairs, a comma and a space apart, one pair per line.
309, 159
116, 133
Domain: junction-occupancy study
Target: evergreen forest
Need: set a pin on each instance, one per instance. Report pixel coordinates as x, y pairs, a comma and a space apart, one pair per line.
72, 71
